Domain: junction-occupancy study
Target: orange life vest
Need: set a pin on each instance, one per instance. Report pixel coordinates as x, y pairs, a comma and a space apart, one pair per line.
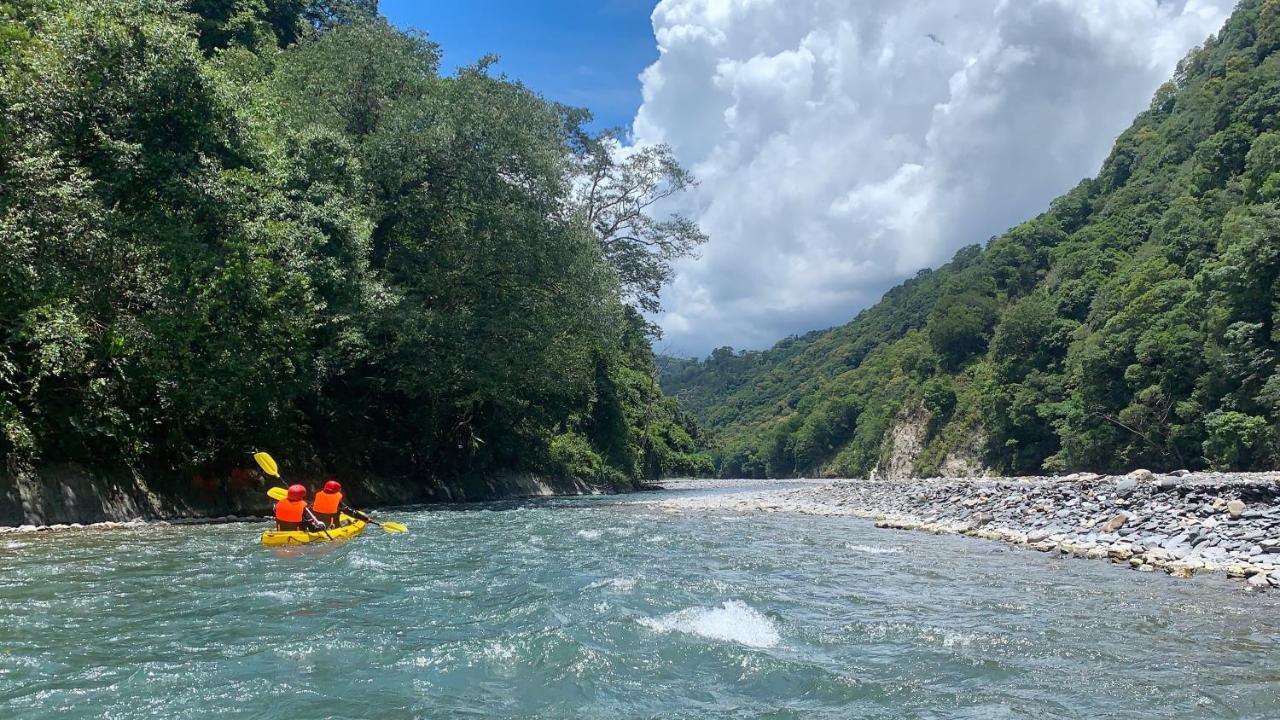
327, 503
290, 511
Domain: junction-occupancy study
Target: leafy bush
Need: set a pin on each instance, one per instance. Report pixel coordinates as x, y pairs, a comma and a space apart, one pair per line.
1237, 440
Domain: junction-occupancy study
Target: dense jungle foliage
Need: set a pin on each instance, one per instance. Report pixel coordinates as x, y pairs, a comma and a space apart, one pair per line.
1136, 323
235, 224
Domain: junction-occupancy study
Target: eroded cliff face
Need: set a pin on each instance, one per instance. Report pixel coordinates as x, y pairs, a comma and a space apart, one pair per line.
68, 493
903, 444
914, 448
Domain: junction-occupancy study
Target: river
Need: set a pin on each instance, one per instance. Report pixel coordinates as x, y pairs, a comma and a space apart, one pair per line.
611, 608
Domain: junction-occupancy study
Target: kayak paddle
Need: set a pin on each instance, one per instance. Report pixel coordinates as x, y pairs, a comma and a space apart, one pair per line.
390, 526
268, 464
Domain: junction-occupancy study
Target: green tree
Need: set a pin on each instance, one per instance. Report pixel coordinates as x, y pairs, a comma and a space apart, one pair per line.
621, 194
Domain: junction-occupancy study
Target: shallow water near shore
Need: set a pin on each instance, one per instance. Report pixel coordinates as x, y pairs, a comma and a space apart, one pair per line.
613, 608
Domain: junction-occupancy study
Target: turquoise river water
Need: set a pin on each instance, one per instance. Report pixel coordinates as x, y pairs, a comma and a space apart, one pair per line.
611, 608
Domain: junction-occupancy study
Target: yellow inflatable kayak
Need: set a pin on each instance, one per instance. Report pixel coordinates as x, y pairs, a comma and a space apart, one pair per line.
349, 528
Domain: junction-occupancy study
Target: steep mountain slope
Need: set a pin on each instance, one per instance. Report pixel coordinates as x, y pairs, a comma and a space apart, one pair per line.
1133, 323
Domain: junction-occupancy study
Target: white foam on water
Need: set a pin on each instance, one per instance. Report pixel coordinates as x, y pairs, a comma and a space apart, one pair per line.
938, 637
367, 563
621, 584
872, 549
499, 651
589, 534
734, 621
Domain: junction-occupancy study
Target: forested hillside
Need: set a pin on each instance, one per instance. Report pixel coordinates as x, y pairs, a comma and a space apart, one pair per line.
1132, 324
234, 225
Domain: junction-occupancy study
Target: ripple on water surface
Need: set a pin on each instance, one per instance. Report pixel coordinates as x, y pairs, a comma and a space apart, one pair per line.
608, 608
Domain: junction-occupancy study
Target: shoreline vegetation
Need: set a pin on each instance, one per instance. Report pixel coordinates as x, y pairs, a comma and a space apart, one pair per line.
1181, 523
233, 226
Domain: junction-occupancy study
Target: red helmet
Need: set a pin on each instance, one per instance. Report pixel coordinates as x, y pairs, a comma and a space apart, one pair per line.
297, 492
332, 486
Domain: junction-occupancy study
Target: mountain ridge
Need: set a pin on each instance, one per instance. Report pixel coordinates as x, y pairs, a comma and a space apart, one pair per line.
1130, 324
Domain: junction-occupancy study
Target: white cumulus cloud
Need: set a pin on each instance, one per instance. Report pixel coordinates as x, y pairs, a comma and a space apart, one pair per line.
844, 144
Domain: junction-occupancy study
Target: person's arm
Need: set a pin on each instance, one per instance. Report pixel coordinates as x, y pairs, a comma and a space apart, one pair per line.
310, 517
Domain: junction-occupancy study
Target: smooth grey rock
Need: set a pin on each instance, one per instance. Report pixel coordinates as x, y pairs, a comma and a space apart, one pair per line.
1235, 508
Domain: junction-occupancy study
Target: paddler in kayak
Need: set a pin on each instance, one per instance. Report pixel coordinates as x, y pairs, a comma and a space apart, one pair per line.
328, 504
292, 512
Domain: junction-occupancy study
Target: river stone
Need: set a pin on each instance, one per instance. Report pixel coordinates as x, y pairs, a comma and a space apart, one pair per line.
1180, 473
1260, 580
1168, 483
1115, 523
1126, 486
1236, 509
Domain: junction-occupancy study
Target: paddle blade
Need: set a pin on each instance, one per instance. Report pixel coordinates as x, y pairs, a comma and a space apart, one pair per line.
277, 493
267, 463
394, 527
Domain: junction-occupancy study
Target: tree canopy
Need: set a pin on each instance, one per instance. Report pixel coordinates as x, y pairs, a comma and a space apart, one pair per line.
230, 225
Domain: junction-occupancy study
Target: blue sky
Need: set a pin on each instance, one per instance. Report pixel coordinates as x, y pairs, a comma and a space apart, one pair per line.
586, 53
840, 147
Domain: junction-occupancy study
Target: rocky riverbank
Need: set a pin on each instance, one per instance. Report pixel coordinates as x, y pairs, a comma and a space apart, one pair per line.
71, 496
1179, 523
